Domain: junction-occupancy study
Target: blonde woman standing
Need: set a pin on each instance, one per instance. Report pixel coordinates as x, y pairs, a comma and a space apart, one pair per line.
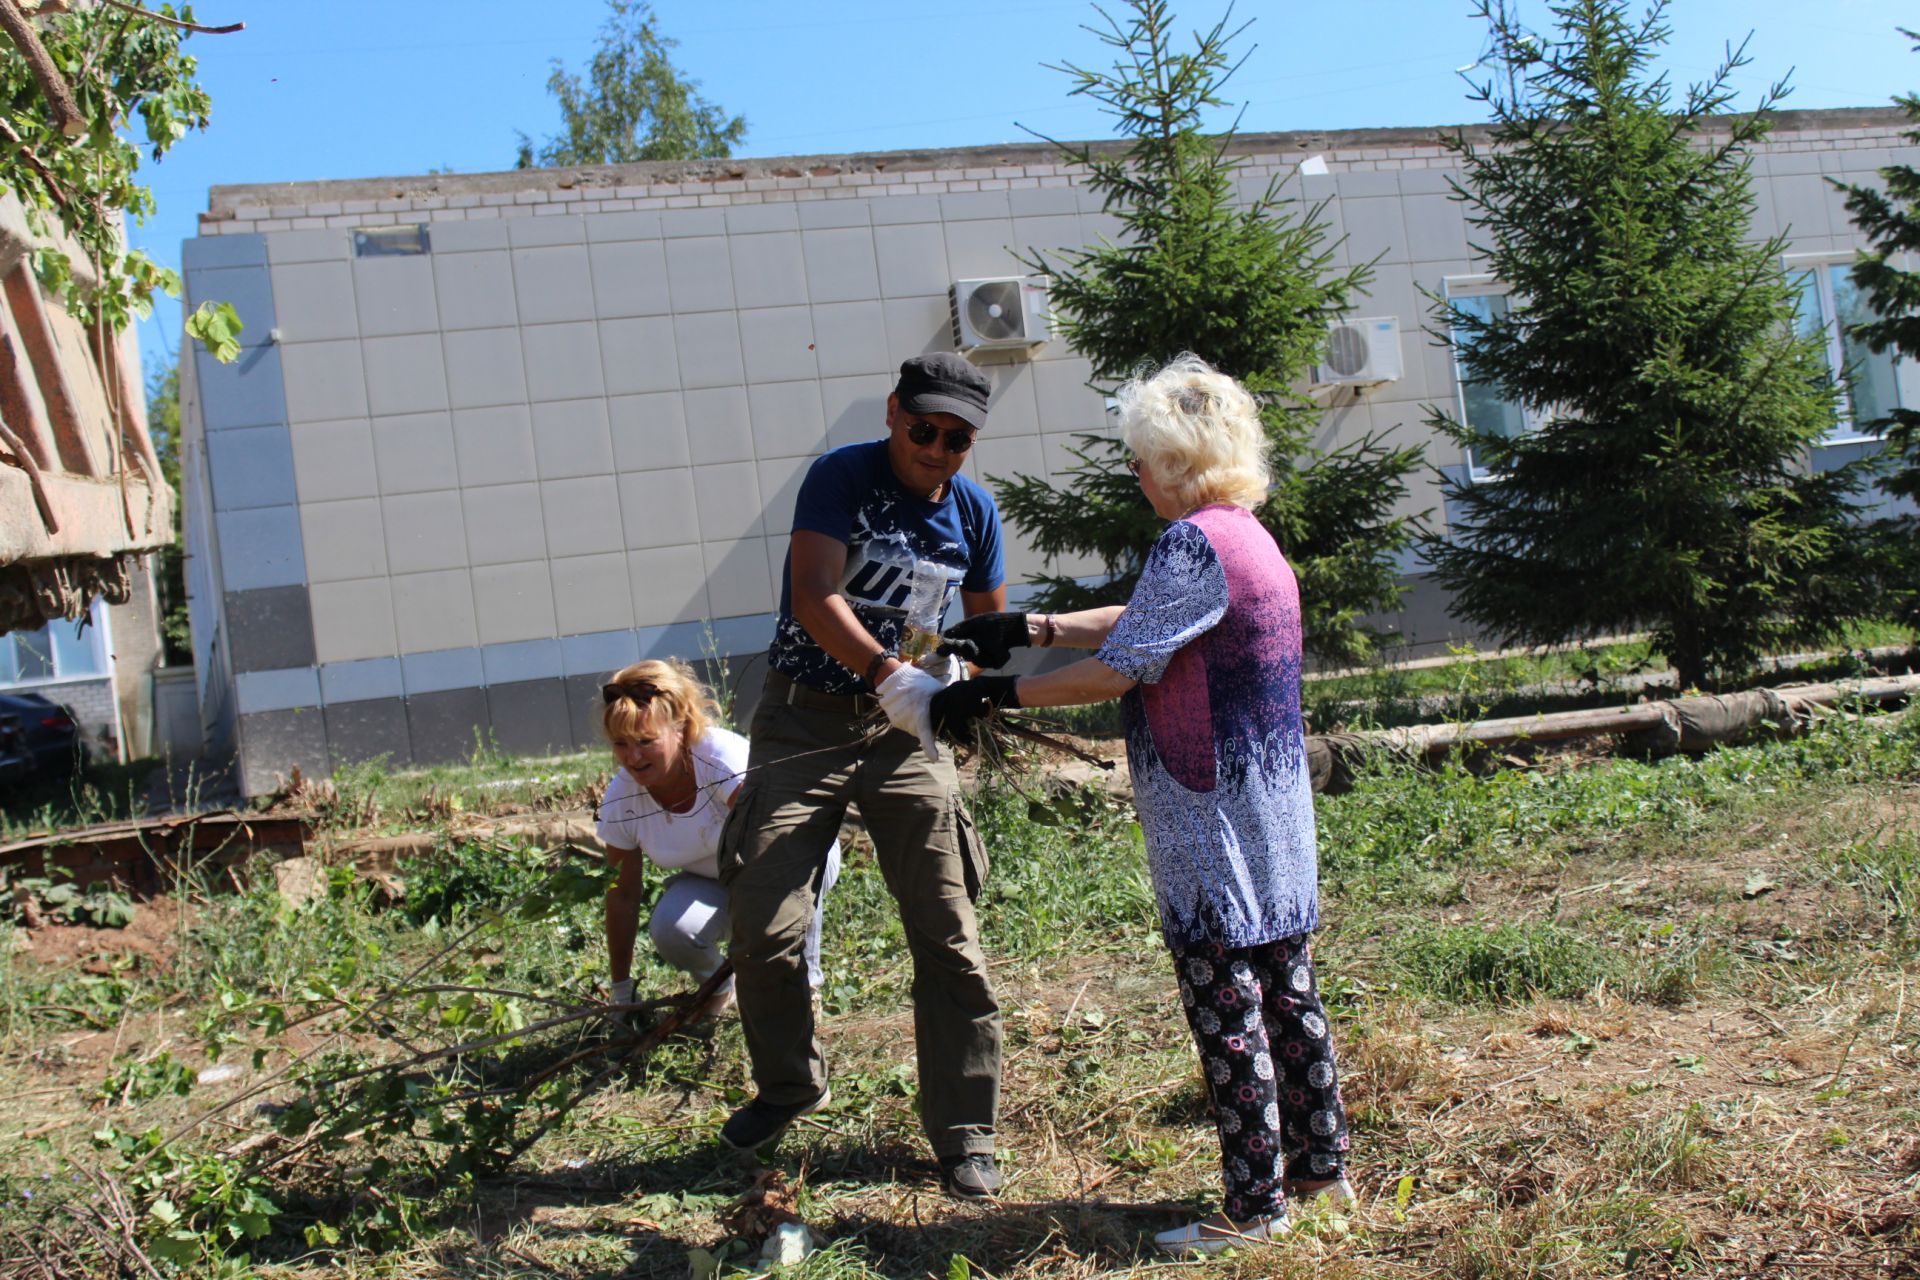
666, 804
1206, 660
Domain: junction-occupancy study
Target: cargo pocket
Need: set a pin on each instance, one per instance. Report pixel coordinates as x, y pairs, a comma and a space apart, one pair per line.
973, 850
735, 831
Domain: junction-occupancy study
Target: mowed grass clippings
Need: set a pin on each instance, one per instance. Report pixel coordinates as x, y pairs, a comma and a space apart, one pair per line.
1621, 1019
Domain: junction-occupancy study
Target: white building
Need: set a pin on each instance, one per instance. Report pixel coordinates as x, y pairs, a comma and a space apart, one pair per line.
495, 435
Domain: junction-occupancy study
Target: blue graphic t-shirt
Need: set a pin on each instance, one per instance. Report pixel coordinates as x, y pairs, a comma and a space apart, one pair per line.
902, 552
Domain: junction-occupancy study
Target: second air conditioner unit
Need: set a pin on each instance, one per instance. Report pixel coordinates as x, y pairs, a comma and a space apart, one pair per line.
1003, 313
1361, 353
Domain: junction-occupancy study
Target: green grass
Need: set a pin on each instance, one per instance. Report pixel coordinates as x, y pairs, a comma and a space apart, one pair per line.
1449, 897
1504, 964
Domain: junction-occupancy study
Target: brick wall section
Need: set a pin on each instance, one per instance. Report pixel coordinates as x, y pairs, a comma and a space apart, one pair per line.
540, 193
92, 704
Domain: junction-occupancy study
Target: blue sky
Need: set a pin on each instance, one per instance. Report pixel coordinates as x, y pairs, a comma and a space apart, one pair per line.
362, 88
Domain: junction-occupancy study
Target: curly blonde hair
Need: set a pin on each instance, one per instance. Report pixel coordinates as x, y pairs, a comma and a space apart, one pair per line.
1199, 430
678, 694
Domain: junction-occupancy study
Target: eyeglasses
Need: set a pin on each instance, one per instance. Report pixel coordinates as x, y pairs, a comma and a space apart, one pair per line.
958, 439
640, 693
1133, 465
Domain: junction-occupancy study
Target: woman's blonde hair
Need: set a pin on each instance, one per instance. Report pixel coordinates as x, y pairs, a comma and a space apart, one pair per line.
1200, 432
677, 694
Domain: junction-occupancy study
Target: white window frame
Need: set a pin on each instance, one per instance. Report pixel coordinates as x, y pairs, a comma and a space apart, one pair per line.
1477, 286
1906, 376
96, 634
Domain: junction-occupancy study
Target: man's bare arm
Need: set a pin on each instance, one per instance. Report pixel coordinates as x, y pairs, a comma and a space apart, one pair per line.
976, 602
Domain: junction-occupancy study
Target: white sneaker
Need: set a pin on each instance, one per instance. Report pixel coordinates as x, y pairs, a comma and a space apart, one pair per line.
1338, 1193
1203, 1239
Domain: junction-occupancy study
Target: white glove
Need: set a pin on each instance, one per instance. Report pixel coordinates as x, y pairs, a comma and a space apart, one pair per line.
904, 696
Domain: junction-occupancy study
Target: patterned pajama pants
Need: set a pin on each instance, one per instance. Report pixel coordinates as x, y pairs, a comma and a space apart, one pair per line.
1268, 1054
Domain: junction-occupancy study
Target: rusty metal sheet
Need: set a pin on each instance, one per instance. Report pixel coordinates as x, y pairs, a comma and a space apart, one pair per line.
156, 855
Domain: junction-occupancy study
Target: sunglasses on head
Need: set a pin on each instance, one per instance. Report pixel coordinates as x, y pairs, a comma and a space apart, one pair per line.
958, 439
640, 693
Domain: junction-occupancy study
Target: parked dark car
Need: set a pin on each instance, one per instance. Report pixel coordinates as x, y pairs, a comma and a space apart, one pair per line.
37, 737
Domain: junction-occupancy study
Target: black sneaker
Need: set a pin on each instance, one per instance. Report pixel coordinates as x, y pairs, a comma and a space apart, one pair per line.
970, 1177
760, 1123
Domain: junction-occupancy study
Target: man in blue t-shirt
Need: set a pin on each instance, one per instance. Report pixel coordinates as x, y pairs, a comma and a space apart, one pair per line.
884, 534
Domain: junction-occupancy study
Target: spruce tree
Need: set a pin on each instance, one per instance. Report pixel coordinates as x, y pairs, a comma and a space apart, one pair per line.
1250, 288
1667, 486
1890, 218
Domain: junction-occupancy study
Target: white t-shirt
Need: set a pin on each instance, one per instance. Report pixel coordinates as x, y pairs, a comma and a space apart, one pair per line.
630, 818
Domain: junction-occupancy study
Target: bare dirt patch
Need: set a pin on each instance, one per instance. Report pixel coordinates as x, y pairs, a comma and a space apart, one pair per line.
152, 938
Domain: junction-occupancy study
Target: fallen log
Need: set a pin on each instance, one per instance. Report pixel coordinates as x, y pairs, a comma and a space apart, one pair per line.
569, 827
1690, 726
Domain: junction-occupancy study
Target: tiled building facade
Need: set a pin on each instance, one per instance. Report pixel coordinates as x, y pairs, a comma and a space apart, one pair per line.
492, 436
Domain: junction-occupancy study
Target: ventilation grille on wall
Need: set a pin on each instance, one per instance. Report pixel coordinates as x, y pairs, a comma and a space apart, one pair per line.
386, 242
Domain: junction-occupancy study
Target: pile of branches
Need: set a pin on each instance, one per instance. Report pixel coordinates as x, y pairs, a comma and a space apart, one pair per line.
406, 1092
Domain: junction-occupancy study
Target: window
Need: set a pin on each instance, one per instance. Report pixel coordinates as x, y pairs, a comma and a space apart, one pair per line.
1829, 303
61, 650
1482, 407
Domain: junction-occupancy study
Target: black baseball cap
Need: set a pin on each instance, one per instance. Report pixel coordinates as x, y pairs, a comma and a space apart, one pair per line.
944, 383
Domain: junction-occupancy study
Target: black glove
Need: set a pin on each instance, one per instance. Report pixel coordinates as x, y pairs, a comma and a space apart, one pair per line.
955, 708
986, 639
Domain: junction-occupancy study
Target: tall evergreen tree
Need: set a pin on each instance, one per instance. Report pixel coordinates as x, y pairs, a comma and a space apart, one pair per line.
1667, 486
1891, 220
636, 106
1248, 287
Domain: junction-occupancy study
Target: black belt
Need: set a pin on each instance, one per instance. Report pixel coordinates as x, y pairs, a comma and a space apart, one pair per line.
785, 689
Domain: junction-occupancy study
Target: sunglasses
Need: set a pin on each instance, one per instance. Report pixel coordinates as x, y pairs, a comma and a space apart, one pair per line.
958, 439
640, 693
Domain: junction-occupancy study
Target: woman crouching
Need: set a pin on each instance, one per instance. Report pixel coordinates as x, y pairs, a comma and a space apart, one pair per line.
668, 800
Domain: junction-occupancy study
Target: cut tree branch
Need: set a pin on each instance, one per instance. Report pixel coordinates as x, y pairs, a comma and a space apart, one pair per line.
19, 29
229, 29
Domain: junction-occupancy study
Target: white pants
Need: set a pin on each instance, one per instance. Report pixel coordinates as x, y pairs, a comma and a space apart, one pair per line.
690, 922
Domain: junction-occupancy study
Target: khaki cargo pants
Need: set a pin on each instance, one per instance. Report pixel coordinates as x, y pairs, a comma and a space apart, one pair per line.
807, 765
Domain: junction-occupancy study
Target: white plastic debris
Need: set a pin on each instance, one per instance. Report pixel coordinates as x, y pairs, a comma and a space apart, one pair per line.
220, 1072
789, 1244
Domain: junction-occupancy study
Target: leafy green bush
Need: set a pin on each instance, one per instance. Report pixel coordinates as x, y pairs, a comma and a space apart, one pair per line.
447, 884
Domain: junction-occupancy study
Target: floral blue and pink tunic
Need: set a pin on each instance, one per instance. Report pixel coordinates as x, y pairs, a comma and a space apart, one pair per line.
1214, 736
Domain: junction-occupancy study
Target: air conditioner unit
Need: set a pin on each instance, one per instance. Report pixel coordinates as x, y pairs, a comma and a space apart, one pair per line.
1361, 353
1007, 313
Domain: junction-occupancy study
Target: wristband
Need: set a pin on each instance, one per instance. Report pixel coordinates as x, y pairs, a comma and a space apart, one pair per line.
873, 665
1046, 637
